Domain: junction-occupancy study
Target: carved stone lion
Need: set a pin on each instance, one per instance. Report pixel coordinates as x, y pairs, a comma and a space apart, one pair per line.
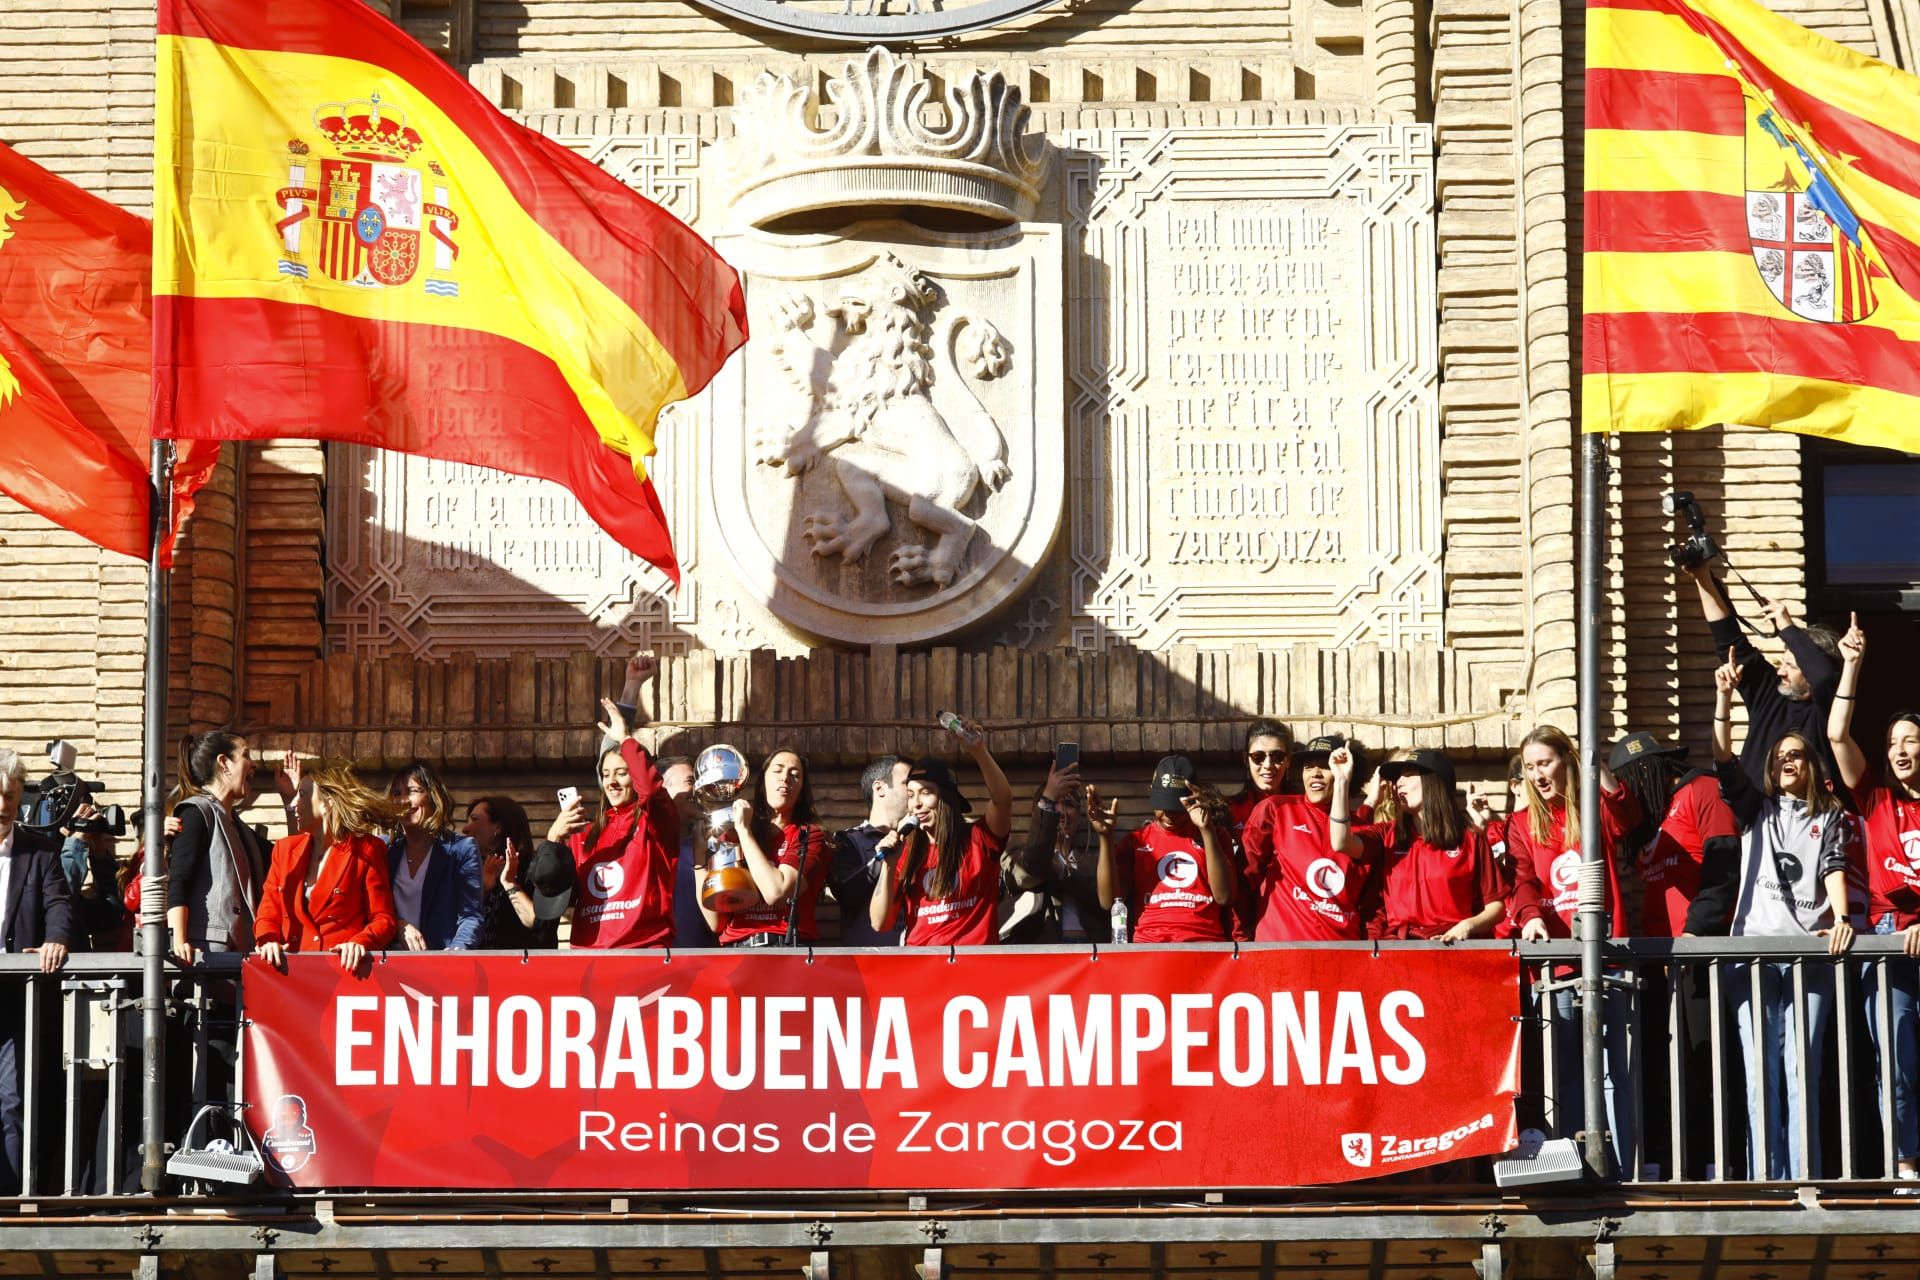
870, 380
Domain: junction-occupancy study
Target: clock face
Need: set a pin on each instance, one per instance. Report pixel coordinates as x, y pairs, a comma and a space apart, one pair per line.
866, 22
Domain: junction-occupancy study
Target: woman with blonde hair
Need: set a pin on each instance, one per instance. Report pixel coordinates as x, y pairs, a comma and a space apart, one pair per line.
1544, 840
327, 888
434, 871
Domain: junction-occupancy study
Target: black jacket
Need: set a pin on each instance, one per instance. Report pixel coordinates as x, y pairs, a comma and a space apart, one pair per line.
39, 904
1770, 712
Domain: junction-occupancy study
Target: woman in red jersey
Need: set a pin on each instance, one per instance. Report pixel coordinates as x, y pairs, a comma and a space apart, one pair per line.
1268, 753
1889, 808
1305, 866
1544, 839
1441, 879
1174, 873
327, 887
786, 854
946, 876
624, 861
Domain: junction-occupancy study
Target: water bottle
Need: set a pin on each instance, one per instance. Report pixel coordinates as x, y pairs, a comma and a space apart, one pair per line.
1119, 918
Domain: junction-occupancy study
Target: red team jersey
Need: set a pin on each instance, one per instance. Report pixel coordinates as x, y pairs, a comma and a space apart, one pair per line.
624, 896
1670, 864
1430, 890
735, 925
1892, 825
1302, 890
964, 918
1172, 899
1546, 873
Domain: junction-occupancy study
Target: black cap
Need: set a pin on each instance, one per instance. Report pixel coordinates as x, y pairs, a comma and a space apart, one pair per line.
1425, 760
1639, 746
1323, 746
934, 772
1170, 779
549, 879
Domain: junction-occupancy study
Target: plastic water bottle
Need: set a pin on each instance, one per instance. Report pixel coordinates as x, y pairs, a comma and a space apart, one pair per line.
1119, 918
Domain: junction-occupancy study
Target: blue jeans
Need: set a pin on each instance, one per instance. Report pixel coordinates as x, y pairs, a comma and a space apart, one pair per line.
1771, 1048
1569, 1088
1903, 992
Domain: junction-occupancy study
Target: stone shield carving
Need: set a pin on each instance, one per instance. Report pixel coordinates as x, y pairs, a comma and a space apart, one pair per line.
887, 455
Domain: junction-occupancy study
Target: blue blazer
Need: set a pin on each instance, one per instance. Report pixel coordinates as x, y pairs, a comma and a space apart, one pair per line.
450, 899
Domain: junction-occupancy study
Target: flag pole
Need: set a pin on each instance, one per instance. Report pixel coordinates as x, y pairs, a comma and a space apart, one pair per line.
153, 888
1591, 918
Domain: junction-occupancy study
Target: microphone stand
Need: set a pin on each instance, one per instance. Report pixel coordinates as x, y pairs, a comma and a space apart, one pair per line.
799, 887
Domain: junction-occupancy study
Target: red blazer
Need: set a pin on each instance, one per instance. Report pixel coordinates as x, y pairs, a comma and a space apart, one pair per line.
351, 901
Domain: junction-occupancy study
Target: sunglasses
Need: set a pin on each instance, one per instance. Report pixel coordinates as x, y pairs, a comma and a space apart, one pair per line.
1261, 757
1790, 757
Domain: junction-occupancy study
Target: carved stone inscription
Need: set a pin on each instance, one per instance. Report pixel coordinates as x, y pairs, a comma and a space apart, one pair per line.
1248, 465
1261, 415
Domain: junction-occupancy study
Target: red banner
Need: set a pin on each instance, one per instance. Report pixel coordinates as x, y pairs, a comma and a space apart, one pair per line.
1141, 1068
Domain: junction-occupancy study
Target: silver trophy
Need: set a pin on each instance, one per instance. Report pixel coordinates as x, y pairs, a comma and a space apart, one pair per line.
719, 774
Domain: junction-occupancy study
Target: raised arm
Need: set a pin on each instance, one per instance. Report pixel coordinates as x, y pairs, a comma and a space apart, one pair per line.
999, 817
1219, 866
1846, 752
1726, 678
625, 715
1111, 882
1340, 837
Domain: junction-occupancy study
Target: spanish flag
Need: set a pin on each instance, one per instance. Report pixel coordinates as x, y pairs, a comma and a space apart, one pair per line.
76, 342
352, 244
1752, 227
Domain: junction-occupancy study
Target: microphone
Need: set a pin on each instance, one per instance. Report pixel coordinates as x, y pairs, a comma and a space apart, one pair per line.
908, 825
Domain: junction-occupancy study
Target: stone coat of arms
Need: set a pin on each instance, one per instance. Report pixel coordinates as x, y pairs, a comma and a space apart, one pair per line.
898, 465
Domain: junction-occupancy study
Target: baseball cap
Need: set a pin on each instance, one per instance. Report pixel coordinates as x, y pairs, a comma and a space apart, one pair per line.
1323, 746
1639, 746
933, 772
549, 879
1423, 760
1170, 779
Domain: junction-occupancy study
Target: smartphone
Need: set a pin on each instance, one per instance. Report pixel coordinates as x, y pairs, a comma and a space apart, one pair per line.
569, 795
1065, 755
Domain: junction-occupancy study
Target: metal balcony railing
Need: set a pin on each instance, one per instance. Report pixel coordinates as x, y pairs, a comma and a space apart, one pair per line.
1678, 1071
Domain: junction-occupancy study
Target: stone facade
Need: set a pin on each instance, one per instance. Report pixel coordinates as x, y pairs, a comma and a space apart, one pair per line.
1285, 343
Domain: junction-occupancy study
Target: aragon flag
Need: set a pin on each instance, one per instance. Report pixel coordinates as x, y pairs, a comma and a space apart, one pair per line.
354, 245
76, 339
1752, 226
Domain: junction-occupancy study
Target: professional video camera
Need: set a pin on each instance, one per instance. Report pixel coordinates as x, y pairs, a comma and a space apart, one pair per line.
51, 803
1698, 547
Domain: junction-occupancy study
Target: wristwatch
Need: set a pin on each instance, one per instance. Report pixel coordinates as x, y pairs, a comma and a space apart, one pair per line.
1045, 805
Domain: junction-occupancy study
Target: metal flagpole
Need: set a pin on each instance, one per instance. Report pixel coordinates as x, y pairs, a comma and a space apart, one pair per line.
153, 888
1591, 919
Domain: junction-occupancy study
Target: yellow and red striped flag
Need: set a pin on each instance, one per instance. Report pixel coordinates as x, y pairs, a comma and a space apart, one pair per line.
352, 244
1752, 227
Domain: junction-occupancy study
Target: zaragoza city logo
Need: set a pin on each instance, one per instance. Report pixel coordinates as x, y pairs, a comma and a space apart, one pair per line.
379, 212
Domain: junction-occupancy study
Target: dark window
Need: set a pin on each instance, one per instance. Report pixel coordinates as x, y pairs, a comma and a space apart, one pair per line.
1863, 538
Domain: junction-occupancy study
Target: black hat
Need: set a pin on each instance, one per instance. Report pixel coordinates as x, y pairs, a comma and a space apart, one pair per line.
934, 772
549, 879
1323, 746
1424, 760
1639, 746
1170, 779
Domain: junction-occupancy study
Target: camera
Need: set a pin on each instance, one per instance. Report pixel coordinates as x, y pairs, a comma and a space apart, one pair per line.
52, 802
1698, 547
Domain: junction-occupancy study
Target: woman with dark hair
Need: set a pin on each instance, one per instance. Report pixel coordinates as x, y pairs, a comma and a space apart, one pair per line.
947, 881
217, 864
1442, 882
434, 870
624, 861
509, 921
1889, 808
1789, 879
1175, 872
785, 849
328, 887
1493, 828
1054, 876
1269, 750
1306, 867
1543, 838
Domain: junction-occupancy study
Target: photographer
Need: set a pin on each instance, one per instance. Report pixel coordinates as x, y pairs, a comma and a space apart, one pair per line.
88, 861
1796, 694
38, 916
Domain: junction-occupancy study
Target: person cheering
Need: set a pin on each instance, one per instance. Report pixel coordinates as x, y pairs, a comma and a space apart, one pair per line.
327, 888
947, 881
1442, 881
1175, 873
786, 856
1305, 866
